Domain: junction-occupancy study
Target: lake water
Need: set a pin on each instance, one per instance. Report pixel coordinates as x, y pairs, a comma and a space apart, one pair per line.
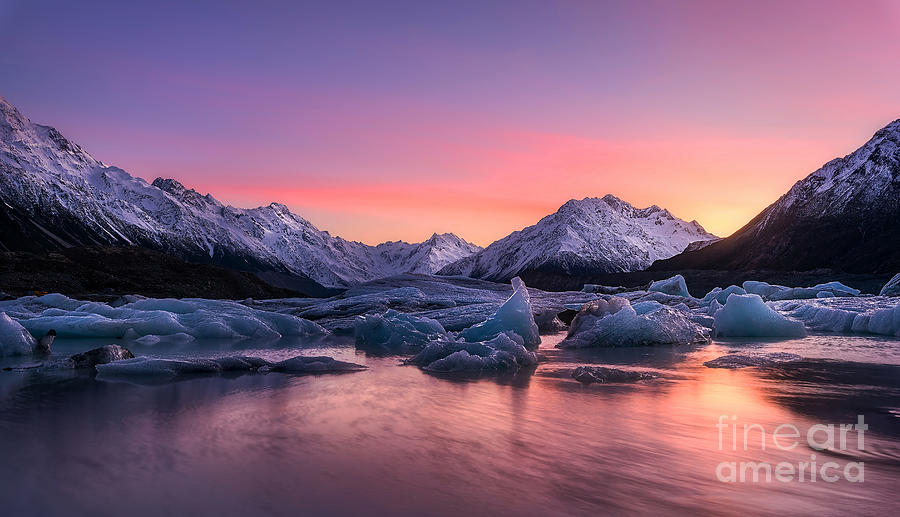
393, 440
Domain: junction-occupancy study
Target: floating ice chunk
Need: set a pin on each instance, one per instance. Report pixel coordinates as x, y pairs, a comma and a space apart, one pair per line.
710, 296
871, 315
315, 364
14, 339
592, 311
157, 367
97, 356
515, 315
892, 288
603, 289
604, 375
748, 360
396, 332
197, 318
837, 289
625, 327
674, 286
825, 294
504, 353
722, 296
746, 315
714, 307
548, 321
763, 289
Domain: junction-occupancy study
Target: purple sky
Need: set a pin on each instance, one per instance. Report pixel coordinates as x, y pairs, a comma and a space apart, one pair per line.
390, 120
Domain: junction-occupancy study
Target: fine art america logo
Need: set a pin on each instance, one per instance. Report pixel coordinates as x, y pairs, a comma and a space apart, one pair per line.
786, 437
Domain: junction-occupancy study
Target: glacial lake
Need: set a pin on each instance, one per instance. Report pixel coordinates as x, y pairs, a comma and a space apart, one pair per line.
393, 440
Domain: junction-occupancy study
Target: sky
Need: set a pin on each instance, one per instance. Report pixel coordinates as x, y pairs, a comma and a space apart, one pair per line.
393, 120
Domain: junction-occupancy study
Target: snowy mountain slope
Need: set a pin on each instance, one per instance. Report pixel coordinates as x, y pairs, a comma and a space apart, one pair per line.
54, 194
846, 215
592, 235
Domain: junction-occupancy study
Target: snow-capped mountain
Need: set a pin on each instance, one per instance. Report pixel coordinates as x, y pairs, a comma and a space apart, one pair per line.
55, 194
592, 235
845, 215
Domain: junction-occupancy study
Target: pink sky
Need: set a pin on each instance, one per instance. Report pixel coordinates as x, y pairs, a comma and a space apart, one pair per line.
393, 123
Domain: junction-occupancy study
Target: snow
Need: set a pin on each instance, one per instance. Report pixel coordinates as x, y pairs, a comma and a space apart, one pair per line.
623, 326
503, 353
42, 173
746, 315
675, 286
396, 332
515, 315
892, 288
154, 320
14, 339
600, 235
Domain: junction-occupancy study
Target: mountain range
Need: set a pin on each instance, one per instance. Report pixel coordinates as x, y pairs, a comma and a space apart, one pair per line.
591, 235
844, 216
54, 194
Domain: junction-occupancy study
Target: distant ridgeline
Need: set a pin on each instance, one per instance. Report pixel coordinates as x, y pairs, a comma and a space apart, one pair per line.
845, 216
54, 195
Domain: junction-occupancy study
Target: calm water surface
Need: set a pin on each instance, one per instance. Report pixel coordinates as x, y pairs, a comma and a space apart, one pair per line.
394, 440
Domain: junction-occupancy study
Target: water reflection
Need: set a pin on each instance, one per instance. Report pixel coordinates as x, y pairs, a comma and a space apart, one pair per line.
393, 440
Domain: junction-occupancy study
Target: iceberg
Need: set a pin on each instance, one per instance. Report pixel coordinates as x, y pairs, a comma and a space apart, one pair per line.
733, 361
763, 289
660, 325
892, 288
396, 332
723, 295
14, 339
746, 315
604, 375
504, 353
183, 320
315, 364
515, 315
674, 286
158, 367
873, 315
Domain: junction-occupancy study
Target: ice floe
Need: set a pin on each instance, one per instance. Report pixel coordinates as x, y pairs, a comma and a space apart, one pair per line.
396, 332
892, 288
159, 367
618, 324
154, 319
745, 360
605, 375
746, 315
503, 353
675, 286
515, 315
14, 339
872, 315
